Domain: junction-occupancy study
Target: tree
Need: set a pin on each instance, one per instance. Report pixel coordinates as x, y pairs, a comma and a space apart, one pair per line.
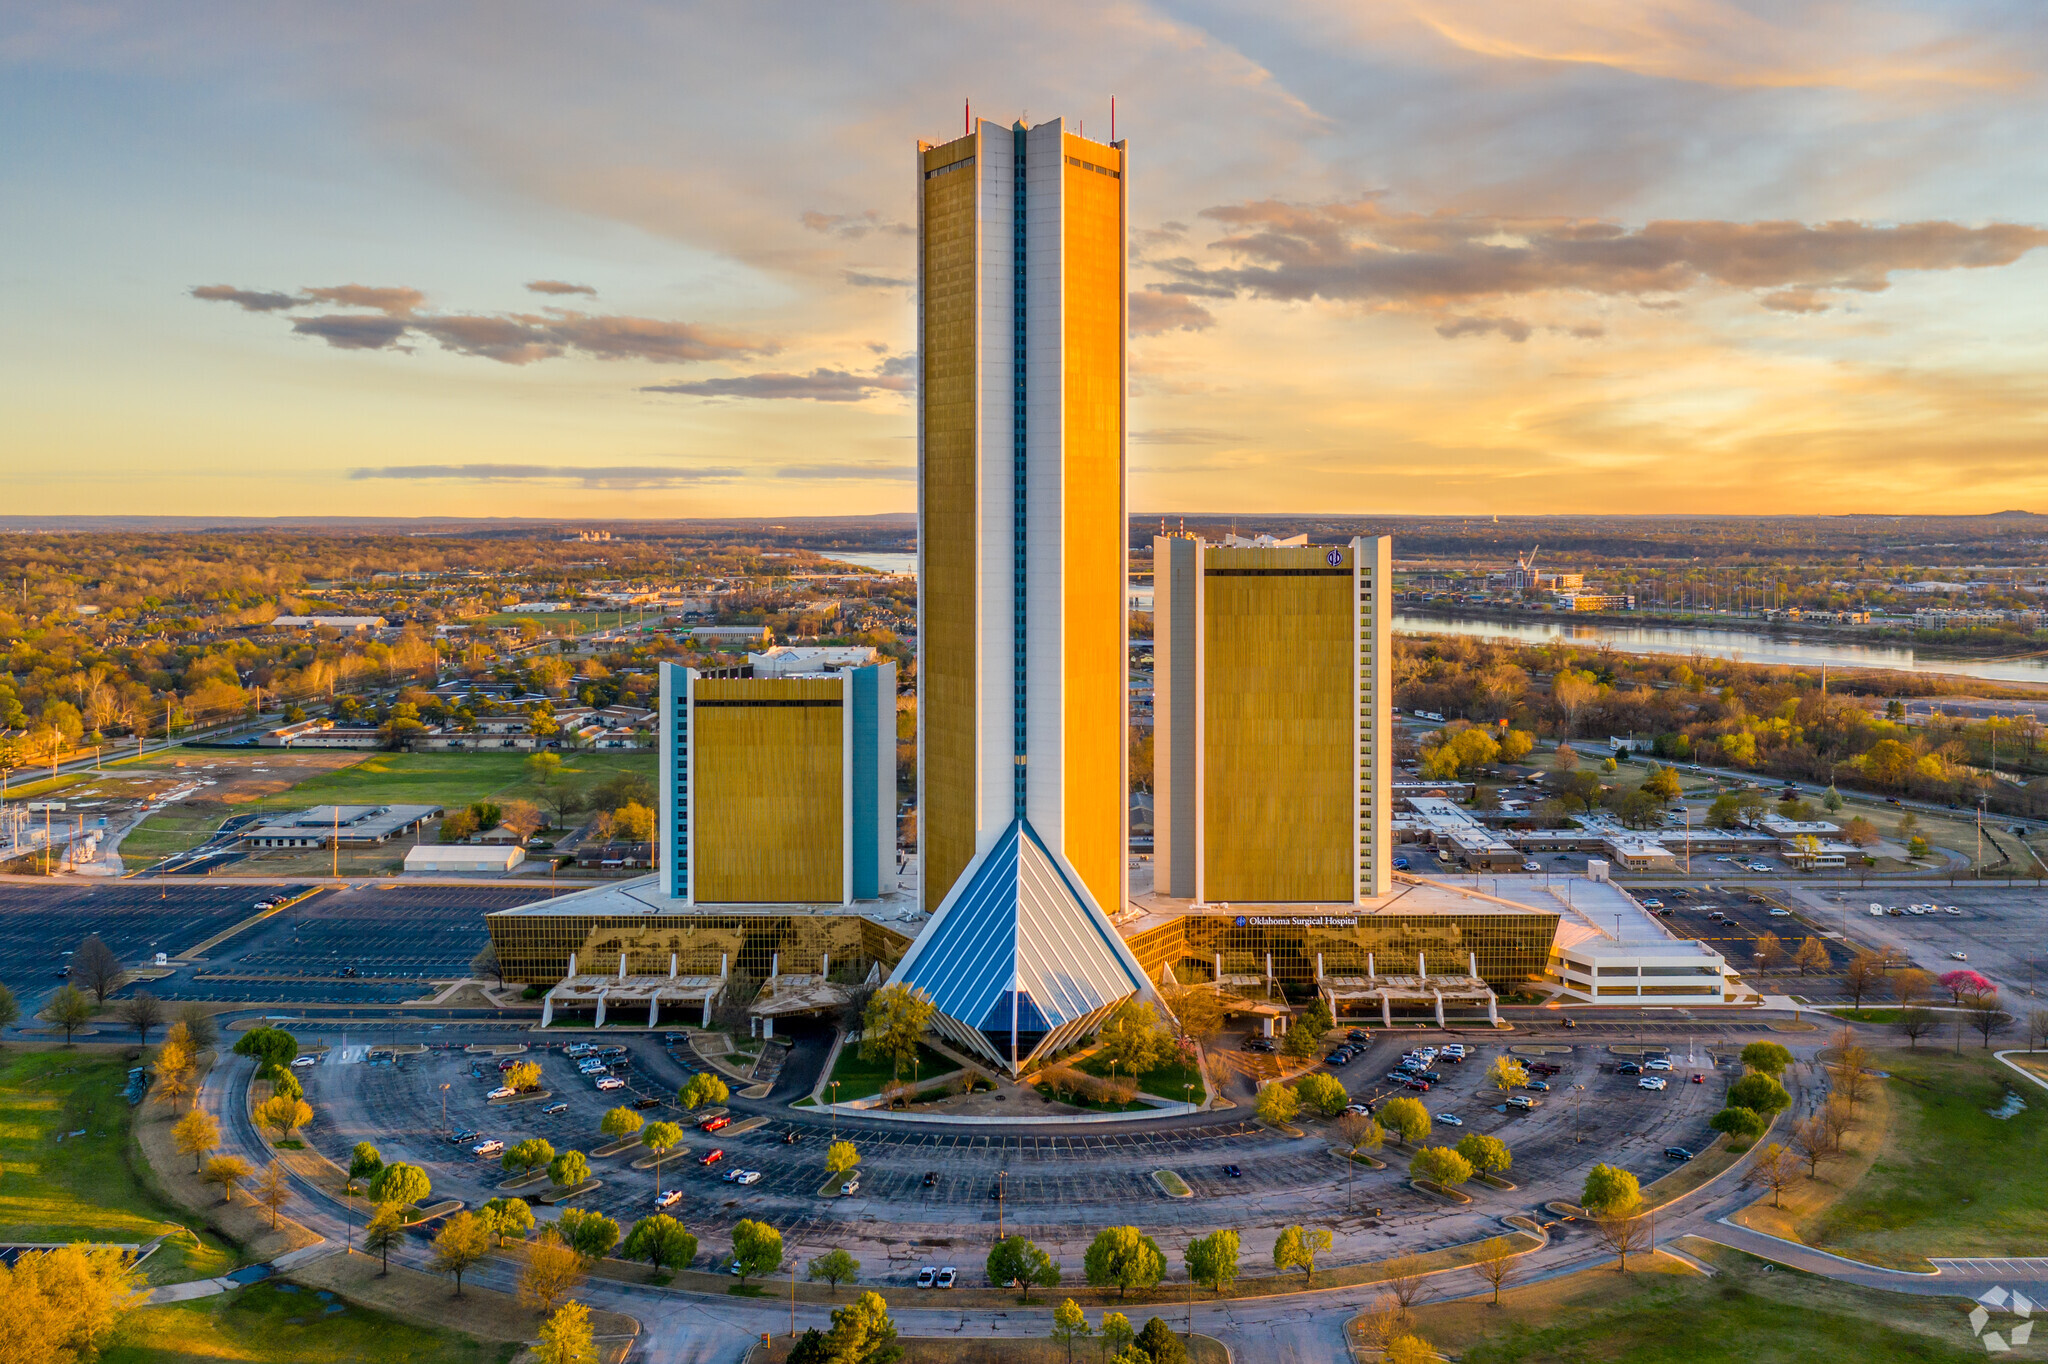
485, 965
196, 1135
68, 1009
834, 1267
283, 1115
63, 1304
1770, 951
1361, 1132
702, 1088
1662, 783
1911, 986
1277, 1104
1212, 1259
2037, 1029
458, 825
1160, 1344
552, 1272
569, 1169
385, 1232
1862, 975
1815, 1140
523, 1076
589, 1233
840, 1157
95, 968
1759, 1093
140, 1011
1507, 1073
521, 817
862, 1333
543, 766
1486, 1155
1070, 1323
10, 1010
660, 1138
273, 1048
662, 1242
272, 1191
1495, 1264
1116, 1333
1405, 1117
1123, 1258
401, 1185
565, 1336
535, 1153
1410, 1349
896, 1017
1767, 1058
1295, 1248
1324, 1094
510, 1219
1832, 799
463, 1240
1565, 758
1609, 1188
1516, 744
621, 1122
1860, 832
1741, 1124
1987, 1018
1386, 1320
1198, 1010
809, 1349
1015, 1260
282, 1082
1132, 1039
1812, 956
1775, 1169
1961, 983
1440, 1165
228, 1172
1299, 1043
756, 1249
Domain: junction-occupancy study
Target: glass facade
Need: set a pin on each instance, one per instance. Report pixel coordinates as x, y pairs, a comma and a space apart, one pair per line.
1511, 948
534, 948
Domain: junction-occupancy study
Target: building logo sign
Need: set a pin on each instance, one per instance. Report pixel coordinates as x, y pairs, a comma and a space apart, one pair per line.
2002, 1301
1299, 921
1335, 558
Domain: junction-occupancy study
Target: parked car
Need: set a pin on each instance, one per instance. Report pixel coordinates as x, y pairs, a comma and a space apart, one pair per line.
717, 1124
1656, 1063
1628, 1068
711, 1157
668, 1199
1959, 956
947, 1276
502, 1092
1678, 1153
1540, 1086
1523, 1102
1653, 903
610, 1082
552, 1109
1532, 865
487, 1148
1450, 1120
1652, 1082
1358, 1035
931, 1179
647, 1101
302, 1062
1232, 1172
851, 1186
927, 1276
748, 1177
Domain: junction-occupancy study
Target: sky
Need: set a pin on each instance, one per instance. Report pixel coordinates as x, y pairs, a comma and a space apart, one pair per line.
622, 259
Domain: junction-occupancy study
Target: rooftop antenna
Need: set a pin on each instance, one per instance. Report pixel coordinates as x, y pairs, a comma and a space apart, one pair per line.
1112, 120
966, 117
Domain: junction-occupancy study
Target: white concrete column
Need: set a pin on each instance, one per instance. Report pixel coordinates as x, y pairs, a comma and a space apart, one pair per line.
825, 967
1219, 966
1319, 966
653, 1011
622, 966
1421, 966
1439, 1007
600, 1009
767, 1027
775, 966
1370, 973
671, 966
724, 963
1386, 1009
572, 963
547, 1009
1474, 956
1266, 1027
1492, 1012
707, 1013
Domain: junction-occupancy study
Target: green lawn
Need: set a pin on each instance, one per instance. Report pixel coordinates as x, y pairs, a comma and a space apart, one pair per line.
265, 1322
1743, 1315
858, 1079
85, 1188
1167, 1081
1952, 1180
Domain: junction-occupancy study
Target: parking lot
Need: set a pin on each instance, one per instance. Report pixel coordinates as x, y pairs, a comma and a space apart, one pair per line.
2002, 931
137, 920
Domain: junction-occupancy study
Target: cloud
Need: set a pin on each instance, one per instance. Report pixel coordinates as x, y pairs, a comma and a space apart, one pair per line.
1184, 435
1361, 251
866, 281
854, 226
394, 302
820, 385
1795, 301
1153, 312
589, 476
508, 338
353, 331
247, 299
556, 286
1513, 328
890, 472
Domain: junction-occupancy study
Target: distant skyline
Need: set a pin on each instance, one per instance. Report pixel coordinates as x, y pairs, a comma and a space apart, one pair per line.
639, 261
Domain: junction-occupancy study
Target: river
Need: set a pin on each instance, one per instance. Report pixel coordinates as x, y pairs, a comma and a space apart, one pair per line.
1751, 646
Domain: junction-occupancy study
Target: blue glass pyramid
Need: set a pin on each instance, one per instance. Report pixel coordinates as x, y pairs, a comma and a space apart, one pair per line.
1017, 960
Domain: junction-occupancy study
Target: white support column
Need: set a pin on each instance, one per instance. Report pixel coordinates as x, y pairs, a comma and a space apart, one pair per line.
547, 1009
825, 967
1439, 1007
622, 966
572, 963
724, 964
775, 966
1492, 1011
653, 1011
767, 1027
1319, 966
1421, 966
707, 1012
1386, 1009
1474, 956
1370, 973
1266, 1027
671, 966
600, 1008
1219, 967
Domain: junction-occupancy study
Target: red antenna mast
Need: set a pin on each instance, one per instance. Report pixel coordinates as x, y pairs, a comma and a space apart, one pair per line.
1112, 120
966, 117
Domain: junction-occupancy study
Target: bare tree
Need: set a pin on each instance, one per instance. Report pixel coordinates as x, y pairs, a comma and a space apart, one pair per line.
272, 1191
199, 1025
1384, 1322
1403, 1278
1914, 1024
94, 967
1496, 1264
1862, 974
1912, 985
485, 964
1987, 1018
1770, 951
1624, 1233
2037, 1029
1775, 1169
140, 1011
1814, 1141
1840, 1116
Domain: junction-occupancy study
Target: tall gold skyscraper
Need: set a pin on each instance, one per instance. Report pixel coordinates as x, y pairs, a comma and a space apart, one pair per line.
1022, 663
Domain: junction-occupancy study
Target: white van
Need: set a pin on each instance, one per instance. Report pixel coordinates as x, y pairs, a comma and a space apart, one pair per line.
1877, 911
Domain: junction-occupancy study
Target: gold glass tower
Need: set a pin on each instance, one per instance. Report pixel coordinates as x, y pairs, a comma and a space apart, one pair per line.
1022, 648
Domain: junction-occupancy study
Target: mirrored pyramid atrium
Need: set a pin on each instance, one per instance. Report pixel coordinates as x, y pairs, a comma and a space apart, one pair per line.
1016, 961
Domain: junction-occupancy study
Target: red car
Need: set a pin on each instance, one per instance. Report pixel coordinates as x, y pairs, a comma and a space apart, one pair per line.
711, 1158
715, 1124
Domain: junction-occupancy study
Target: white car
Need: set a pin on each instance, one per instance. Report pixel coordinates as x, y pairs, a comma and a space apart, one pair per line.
947, 1275
1653, 903
302, 1062
1652, 1082
1959, 956
1532, 866
1656, 1063
1951, 909
851, 1186
611, 1082
668, 1199
501, 1092
487, 1148
1450, 1120
1454, 1048
748, 1177
1779, 913
927, 1276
